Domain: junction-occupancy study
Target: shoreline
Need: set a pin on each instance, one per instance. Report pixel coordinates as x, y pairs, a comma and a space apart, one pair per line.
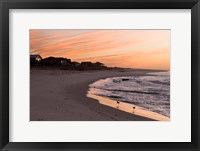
128, 107
61, 96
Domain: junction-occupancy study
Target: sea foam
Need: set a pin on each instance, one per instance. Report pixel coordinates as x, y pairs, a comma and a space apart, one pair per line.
151, 92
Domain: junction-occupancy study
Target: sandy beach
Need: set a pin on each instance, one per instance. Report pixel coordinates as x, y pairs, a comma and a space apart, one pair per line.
62, 96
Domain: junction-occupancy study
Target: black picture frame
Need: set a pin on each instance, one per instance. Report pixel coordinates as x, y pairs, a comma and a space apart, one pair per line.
5, 5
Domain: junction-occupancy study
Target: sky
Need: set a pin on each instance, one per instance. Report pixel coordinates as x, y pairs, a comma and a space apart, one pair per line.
146, 49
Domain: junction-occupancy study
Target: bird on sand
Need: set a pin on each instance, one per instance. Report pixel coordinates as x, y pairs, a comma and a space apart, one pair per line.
118, 104
133, 108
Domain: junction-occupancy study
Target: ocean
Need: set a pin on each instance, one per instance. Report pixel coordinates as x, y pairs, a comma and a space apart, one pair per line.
150, 92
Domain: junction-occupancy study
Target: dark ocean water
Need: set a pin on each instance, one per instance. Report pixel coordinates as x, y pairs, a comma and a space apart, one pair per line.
150, 92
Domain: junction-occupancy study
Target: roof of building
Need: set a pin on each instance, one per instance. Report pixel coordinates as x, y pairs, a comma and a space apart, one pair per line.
35, 56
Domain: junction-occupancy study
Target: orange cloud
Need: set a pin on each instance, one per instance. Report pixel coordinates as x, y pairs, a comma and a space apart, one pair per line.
122, 48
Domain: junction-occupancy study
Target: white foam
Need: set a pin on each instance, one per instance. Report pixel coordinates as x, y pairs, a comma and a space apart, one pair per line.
150, 92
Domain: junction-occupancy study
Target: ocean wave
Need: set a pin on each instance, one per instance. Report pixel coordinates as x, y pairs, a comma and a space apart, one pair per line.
132, 91
151, 92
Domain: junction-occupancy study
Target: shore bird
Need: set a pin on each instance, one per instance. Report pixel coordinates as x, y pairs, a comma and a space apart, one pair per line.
118, 104
133, 108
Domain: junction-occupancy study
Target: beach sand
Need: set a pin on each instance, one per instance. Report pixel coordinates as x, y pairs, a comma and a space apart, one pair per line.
62, 96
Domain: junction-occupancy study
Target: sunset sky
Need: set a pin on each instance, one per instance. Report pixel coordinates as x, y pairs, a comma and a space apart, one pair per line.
148, 49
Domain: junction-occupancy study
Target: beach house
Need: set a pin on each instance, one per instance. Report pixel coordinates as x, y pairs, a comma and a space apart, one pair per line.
35, 59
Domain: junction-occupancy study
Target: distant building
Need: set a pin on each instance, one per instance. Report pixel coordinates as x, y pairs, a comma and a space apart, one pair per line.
76, 64
52, 61
35, 59
66, 62
99, 64
87, 64
63, 63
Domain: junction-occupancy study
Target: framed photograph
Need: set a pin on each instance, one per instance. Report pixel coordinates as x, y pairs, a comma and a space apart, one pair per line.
84, 75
